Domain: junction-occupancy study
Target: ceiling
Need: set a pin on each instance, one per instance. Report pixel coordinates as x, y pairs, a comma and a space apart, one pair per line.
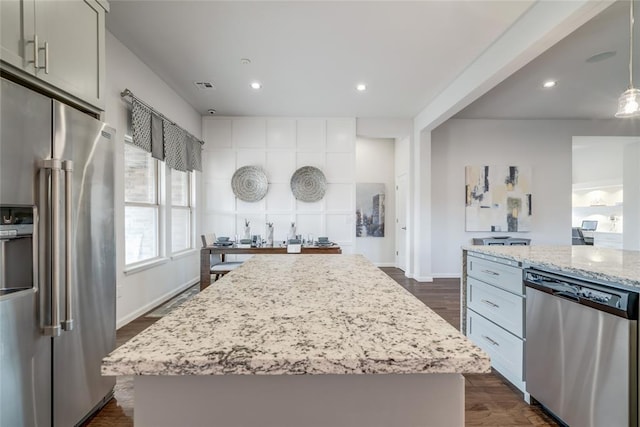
310, 55
585, 90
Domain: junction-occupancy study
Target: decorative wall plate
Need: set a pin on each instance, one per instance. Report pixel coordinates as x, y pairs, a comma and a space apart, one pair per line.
308, 184
249, 183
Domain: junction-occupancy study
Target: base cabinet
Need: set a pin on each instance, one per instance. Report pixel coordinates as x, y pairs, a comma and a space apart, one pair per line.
59, 43
495, 313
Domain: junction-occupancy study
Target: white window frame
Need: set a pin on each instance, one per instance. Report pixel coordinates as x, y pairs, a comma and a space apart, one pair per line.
190, 207
158, 205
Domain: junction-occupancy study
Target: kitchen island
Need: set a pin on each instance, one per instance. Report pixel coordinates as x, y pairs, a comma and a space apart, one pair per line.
300, 340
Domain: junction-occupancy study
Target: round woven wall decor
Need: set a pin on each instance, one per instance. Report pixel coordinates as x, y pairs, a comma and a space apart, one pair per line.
249, 183
308, 184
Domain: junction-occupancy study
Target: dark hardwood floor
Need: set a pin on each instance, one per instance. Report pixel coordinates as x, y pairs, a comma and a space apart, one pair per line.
489, 399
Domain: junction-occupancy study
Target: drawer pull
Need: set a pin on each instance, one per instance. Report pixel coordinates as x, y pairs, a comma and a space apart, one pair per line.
489, 303
493, 342
493, 273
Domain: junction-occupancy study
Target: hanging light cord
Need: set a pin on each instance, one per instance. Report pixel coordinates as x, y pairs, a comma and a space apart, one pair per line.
631, 21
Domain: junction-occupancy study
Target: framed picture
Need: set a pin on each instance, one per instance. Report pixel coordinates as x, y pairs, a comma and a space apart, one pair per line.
498, 198
370, 210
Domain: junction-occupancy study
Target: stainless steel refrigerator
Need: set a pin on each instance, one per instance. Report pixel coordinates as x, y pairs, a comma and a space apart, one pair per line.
57, 260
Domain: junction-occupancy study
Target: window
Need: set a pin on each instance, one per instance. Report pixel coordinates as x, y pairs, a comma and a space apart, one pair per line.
181, 211
141, 210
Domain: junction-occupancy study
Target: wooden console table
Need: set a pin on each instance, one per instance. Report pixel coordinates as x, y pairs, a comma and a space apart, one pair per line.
206, 252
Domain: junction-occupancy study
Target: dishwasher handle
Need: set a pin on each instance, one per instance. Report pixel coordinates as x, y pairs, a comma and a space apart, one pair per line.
568, 295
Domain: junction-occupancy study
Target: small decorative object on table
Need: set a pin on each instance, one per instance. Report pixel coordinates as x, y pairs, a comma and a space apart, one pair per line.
294, 246
244, 243
270, 234
292, 231
324, 241
247, 229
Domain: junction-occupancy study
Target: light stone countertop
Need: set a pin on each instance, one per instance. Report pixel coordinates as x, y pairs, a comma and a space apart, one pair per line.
613, 266
300, 314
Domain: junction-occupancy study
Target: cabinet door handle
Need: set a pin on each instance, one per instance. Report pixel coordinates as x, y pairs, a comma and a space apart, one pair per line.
493, 273
35, 62
46, 58
493, 342
490, 303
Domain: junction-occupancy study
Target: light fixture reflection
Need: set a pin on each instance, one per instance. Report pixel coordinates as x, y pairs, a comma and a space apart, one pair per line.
629, 101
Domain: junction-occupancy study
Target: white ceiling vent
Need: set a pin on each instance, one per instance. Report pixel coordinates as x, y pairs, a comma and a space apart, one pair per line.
204, 85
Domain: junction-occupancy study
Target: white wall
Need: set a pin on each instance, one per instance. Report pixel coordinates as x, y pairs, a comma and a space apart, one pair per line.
545, 145
383, 127
141, 291
631, 183
597, 161
280, 146
375, 164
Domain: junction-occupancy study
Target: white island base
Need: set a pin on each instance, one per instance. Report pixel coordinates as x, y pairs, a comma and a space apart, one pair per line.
381, 400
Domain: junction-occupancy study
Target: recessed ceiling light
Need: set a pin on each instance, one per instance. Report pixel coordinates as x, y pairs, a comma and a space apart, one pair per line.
361, 87
256, 85
549, 83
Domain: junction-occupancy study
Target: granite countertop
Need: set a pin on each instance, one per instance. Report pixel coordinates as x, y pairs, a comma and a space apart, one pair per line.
613, 266
300, 314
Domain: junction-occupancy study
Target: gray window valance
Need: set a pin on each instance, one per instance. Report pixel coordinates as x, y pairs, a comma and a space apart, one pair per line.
156, 134
175, 147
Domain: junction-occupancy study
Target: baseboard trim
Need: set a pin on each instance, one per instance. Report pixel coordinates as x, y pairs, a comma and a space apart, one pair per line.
156, 302
385, 264
423, 279
447, 275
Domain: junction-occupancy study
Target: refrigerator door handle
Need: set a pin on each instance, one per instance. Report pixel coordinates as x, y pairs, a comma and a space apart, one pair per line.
2, 263
67, 323
53, 328
35, 248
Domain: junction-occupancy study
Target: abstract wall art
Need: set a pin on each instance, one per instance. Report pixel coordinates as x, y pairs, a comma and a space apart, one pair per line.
369, 210
498, 198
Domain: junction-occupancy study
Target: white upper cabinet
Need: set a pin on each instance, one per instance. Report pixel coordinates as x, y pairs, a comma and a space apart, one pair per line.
70, 50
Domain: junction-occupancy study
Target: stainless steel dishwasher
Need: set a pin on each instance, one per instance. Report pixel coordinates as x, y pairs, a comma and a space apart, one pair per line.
581, 350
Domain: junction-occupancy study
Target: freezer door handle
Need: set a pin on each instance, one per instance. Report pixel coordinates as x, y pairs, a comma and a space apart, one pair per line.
67, 323
54, 165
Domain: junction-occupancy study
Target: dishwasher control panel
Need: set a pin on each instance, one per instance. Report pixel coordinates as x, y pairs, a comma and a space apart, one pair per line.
619, 302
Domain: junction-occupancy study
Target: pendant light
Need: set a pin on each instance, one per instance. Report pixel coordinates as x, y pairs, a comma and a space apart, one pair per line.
629, 101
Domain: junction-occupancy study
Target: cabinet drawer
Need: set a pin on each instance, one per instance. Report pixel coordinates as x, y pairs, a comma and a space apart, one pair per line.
499, 306
494, 273
506, 350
